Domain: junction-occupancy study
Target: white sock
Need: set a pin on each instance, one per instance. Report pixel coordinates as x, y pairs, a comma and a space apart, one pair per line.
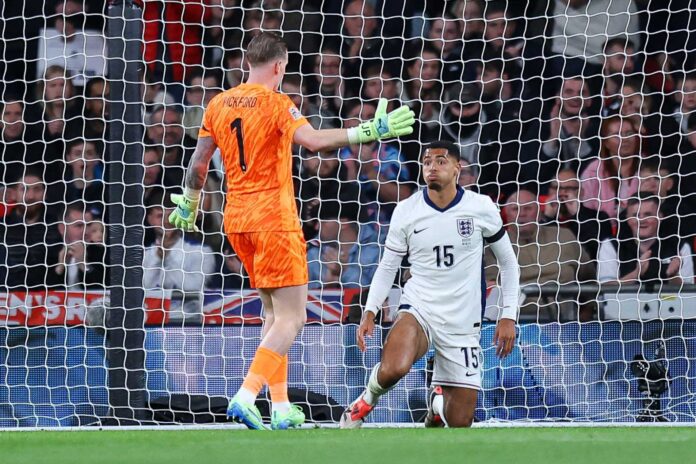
281, 407
444, 421
439, 405
374, 390
245, 396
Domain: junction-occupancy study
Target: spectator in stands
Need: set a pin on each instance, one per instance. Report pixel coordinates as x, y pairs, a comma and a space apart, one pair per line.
422, 89
499, 97
21, 145
82, 180
94, 229
564, 210
164, 127
568, 136
658, 178
379, 82
644, 251
660, 133
480, 139
468, 176
325, 191
235, 68
295, 87
684, 166
580, 28
200, 89
685, 96
500, 40
329, 85
59, 107
546, 254
445, 35
362, 40
81, 263
260, 18
378, 167
29, 238
154, 94
610, 180
96, 112
346, 254
471, 14
70, 46
573, 132
221, 32
619, 62
174, 261
152, 178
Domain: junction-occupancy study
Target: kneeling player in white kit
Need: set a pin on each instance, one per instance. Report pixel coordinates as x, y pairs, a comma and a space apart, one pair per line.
442, 229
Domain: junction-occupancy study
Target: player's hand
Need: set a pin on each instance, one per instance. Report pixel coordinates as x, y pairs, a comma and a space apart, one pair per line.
387, 125
504, 338
184, 216
367, 326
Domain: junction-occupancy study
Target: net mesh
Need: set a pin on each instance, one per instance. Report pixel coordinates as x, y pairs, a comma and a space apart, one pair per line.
578, 118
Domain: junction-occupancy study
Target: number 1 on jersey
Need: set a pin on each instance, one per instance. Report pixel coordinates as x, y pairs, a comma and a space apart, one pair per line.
237, 125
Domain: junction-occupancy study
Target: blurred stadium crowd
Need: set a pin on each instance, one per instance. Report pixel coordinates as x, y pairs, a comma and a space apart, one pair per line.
577, 117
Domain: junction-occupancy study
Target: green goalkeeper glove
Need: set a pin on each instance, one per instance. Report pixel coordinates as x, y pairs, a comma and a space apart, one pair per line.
184, 216
385, 125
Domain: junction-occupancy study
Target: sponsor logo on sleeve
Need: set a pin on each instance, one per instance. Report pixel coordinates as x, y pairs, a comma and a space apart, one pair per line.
295, 113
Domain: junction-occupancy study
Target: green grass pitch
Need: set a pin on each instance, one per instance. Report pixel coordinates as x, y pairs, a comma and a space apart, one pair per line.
674, 445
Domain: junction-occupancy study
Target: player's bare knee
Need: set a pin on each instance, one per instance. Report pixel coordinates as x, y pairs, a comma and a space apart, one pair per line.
460, 420
458, 416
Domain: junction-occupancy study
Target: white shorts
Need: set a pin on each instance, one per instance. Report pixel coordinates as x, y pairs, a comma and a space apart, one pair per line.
458, 360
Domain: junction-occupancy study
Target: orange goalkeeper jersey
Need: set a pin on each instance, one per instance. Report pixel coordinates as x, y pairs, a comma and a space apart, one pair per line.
254, 126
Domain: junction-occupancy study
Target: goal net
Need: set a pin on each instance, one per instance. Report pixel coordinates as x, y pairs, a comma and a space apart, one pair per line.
577, 118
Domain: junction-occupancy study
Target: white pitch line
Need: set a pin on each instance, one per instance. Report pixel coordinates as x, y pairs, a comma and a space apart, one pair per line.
384, 425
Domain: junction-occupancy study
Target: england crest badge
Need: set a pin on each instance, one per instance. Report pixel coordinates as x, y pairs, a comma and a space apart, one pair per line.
465, 227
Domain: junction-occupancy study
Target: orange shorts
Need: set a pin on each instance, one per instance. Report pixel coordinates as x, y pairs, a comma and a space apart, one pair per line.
272, 259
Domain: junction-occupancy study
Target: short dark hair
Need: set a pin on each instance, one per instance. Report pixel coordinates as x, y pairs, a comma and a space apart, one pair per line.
375, 70
620, 40
495, 6
451, 148
265, 47
89, 87
656, 164
294, 79
34, 172
643, 197
77, 206
10, 99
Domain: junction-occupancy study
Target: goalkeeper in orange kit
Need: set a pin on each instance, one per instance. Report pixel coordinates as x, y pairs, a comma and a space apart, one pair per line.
254, 127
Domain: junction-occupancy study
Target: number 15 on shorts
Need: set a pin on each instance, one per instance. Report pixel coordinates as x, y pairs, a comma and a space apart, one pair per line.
471, 356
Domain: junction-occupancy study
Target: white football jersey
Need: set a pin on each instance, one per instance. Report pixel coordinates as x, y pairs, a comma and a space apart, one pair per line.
445, 249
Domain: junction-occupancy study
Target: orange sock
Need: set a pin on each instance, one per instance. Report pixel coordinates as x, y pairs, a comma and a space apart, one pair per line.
264, 365
278, 383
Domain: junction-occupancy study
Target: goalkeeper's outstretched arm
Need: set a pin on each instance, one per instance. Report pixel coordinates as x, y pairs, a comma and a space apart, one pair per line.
384, 126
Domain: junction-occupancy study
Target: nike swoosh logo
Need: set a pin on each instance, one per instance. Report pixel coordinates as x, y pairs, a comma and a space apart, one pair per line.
470, 374
415, 231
